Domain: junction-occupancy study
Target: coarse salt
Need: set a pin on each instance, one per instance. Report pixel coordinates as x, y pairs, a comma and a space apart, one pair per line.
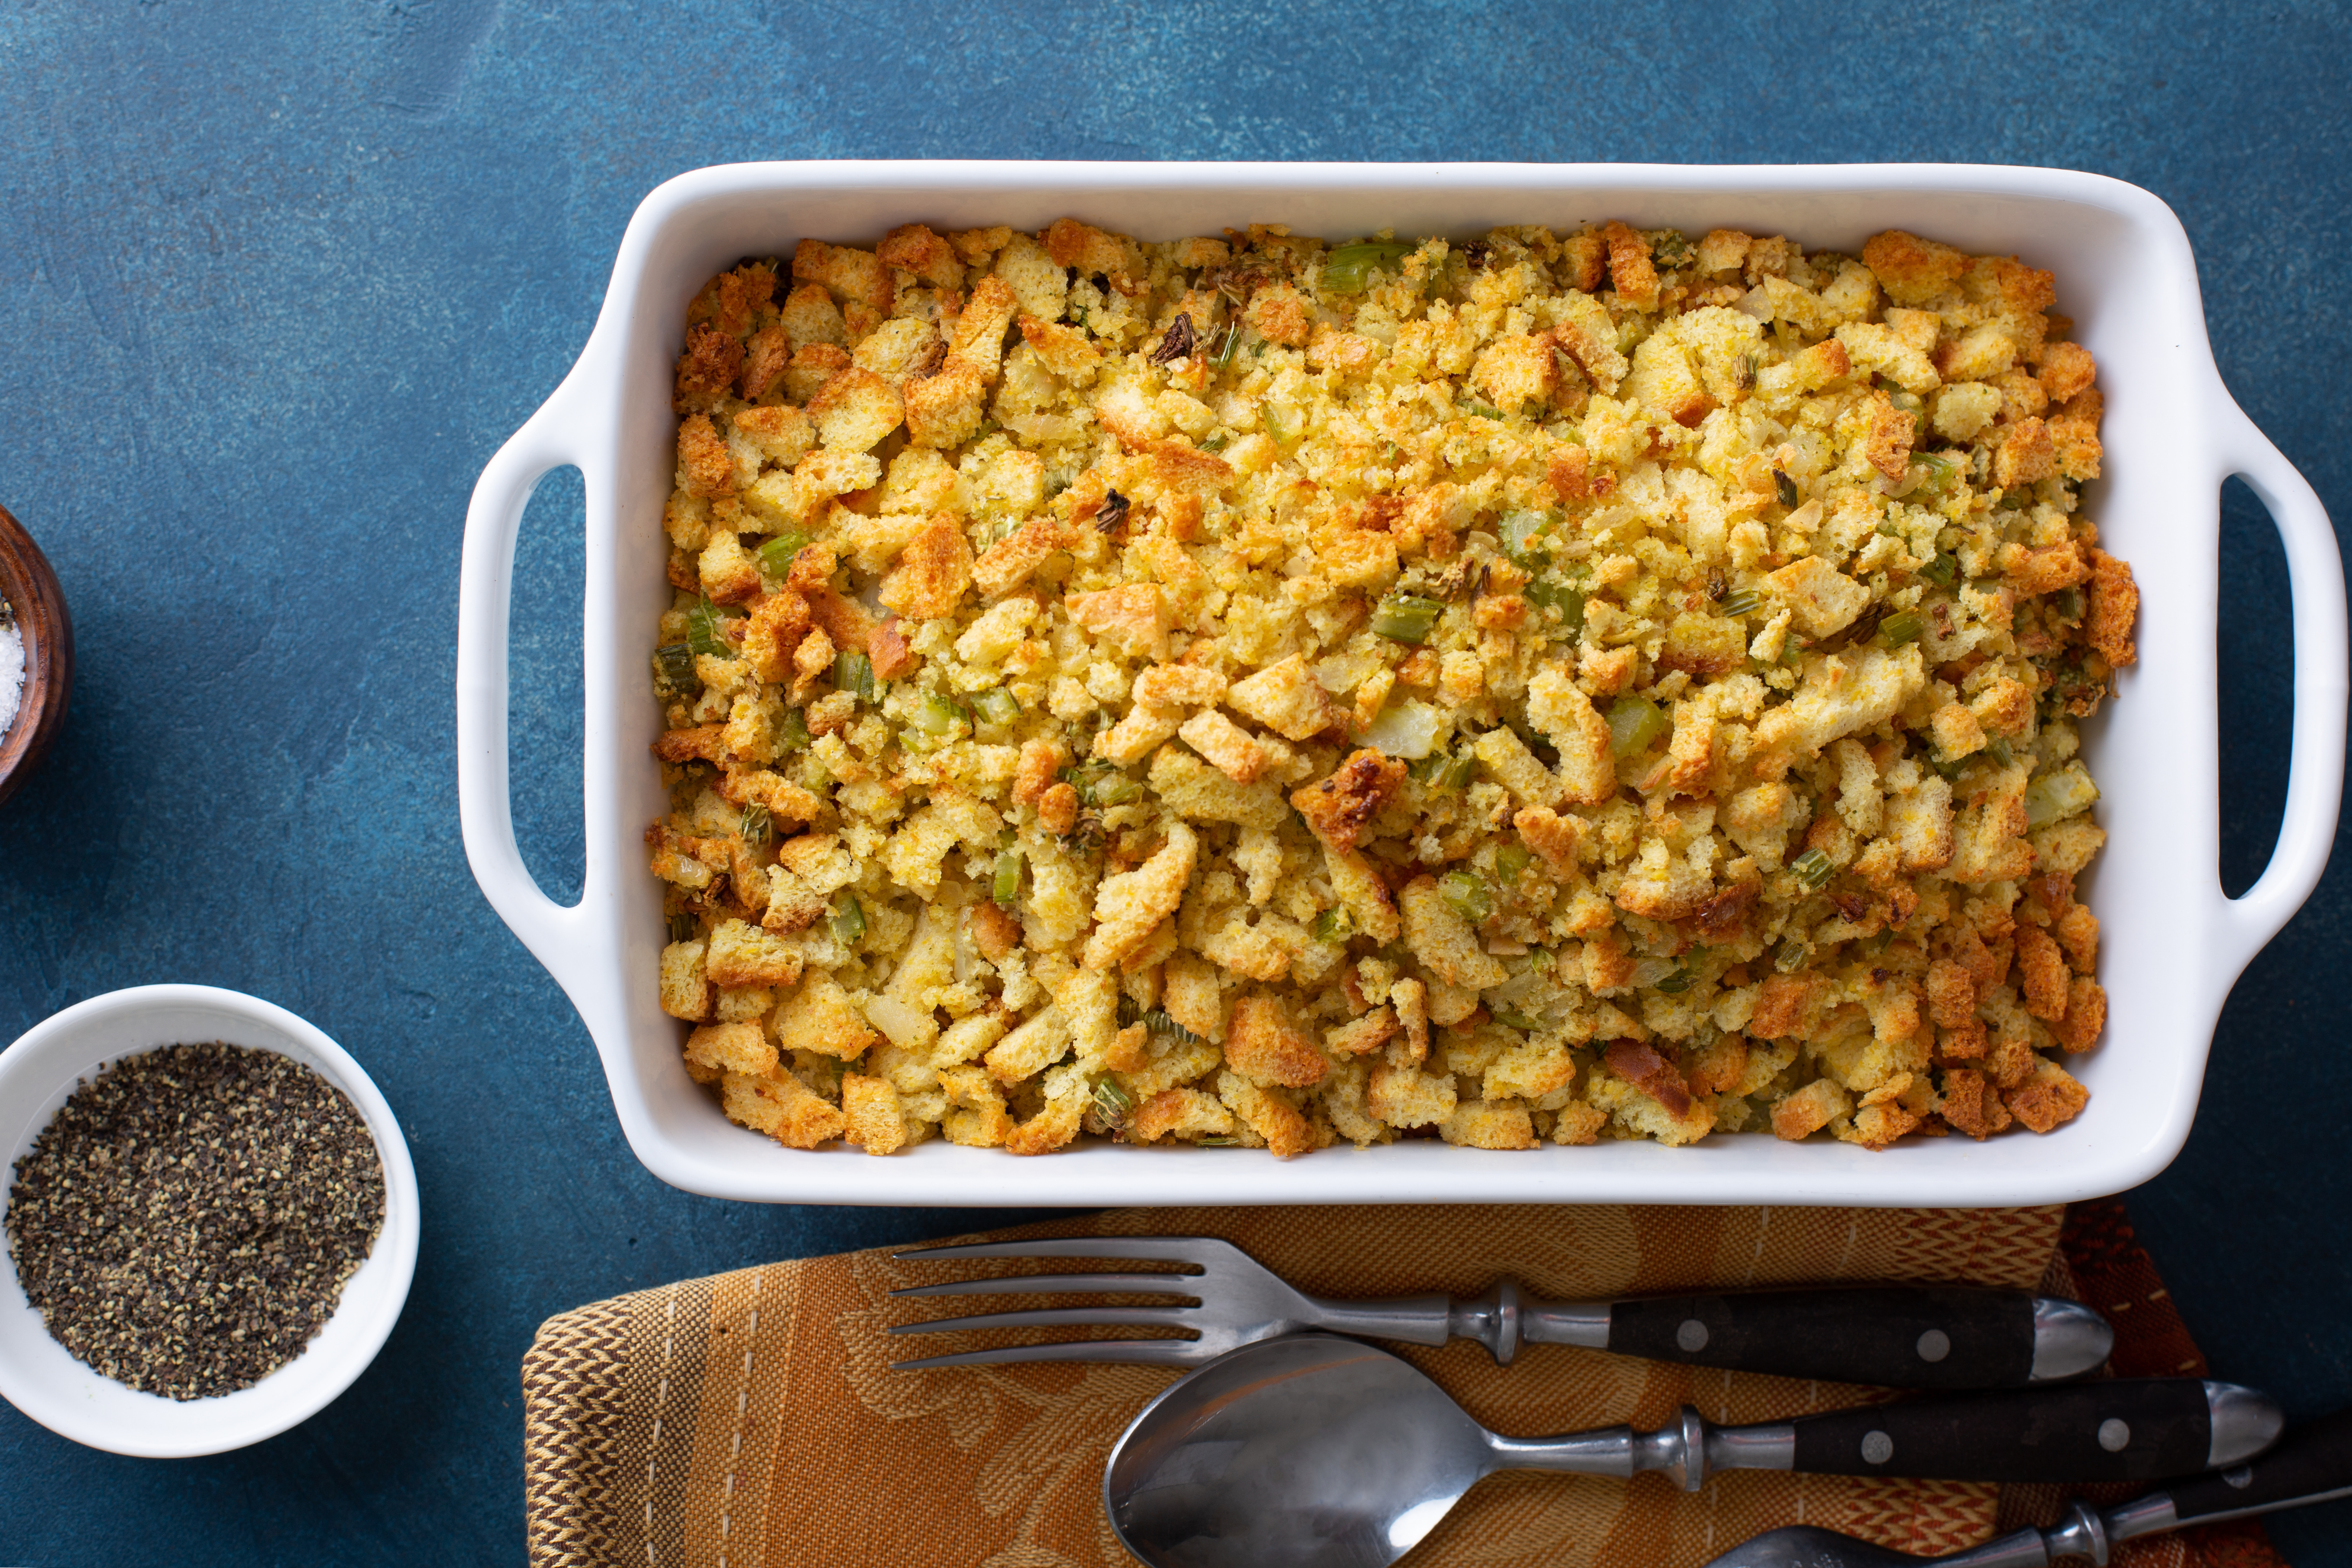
12, 666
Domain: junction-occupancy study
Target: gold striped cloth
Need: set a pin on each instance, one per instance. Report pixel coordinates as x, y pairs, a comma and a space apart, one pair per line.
750, 1420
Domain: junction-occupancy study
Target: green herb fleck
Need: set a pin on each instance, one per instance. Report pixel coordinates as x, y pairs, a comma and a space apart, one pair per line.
1112, 1100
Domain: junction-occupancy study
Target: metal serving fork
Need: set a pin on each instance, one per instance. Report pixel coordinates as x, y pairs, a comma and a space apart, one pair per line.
1895, 1337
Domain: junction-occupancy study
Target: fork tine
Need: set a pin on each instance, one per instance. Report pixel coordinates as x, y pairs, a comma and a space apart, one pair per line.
1042, 1284
1140, 1352
1161, 1248
1163, 1317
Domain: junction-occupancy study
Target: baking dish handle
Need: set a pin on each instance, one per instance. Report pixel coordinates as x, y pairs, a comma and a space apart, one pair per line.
2315, 788
550, 439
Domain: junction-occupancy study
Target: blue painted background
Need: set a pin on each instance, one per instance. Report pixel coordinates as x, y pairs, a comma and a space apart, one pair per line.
275, 280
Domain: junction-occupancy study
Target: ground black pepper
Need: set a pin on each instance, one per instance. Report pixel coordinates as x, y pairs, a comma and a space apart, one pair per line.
186, 1220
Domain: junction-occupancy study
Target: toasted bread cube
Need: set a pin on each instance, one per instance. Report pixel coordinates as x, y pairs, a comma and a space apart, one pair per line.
742, 954
1179, 1113
820, 1017
1488, 1124
781, 1106
732, 1048
848, 273
685, 986
869, 1107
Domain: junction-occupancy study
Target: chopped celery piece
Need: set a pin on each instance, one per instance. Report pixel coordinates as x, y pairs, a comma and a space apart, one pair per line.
855, 672
776, 555
674, 670
1521, 533
934, 714
1004, 887
1649, 972
1515, 1019
1480, 409
1100, 784
702, 630
1813, 869
1216, 1141
1466, 896
1442, 770
1509, 861
755, 825
1274, 431
1346, 270
1902, 626
2055, 797
681, 926
996, 705
1790, 955
1676, 983
848, 923
1406, 618
1636, 724
1944, 569
791, 731
1743, 602
1568, 601
1334, 925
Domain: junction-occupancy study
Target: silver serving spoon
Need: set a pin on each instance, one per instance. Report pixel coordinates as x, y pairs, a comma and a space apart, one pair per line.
2313, 1463
1315, 1452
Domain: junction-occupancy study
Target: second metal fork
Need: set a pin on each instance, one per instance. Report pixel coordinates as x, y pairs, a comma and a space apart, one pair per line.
1895, 1336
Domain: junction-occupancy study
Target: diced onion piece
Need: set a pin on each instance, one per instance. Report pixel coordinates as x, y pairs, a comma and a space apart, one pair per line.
2055, 797
1406, 729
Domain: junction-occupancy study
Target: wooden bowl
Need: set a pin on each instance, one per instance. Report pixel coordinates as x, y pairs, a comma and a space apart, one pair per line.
32, 592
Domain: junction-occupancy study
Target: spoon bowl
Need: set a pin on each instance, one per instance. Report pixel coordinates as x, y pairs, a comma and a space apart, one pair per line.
1311, 1451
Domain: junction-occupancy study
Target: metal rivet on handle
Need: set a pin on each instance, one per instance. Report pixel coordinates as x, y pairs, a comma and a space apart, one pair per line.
2240, 1479
1877, 1447
2115, 1435
1691, 1336
1935, 1345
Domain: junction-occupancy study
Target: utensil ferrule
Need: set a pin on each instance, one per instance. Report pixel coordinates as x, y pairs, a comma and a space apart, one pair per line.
2083, 1533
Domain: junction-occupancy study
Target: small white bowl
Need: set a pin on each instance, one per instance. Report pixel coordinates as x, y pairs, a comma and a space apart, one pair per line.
36, 1374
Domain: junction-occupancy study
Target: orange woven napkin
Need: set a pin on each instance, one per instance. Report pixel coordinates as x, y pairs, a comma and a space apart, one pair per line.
749, 1420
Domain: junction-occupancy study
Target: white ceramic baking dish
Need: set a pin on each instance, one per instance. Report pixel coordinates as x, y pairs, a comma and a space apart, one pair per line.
2173, 943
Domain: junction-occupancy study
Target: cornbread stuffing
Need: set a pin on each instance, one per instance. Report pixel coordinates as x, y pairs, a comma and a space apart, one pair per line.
1251, 691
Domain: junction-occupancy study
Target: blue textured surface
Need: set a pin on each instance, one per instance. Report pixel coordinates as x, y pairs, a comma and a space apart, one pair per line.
276, 281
